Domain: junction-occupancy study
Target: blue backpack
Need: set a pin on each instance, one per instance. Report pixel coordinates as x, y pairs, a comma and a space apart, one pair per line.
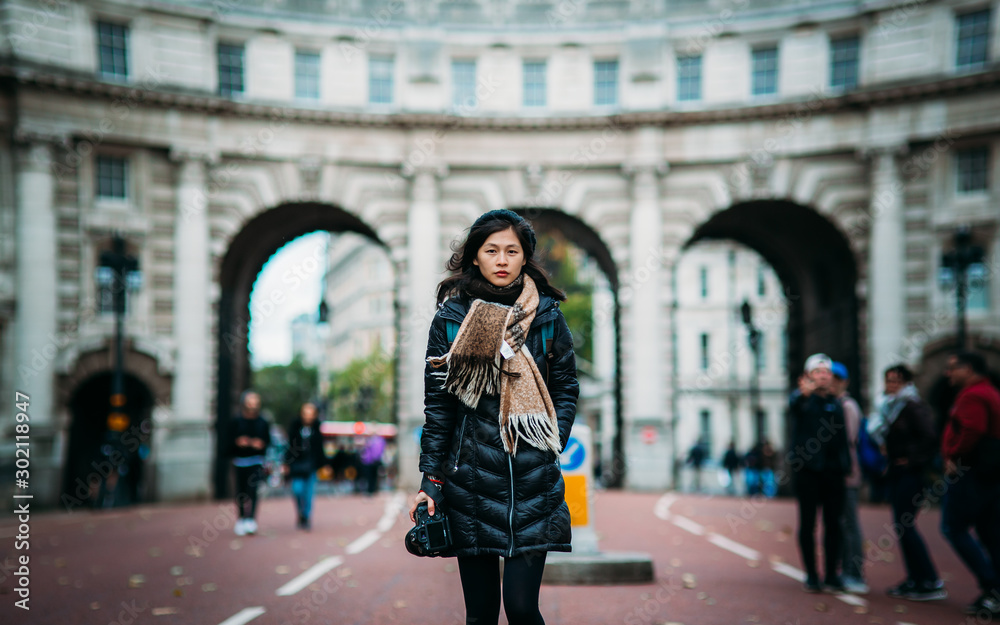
869, 455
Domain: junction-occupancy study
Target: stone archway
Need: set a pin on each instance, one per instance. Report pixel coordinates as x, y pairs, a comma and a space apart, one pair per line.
247, 253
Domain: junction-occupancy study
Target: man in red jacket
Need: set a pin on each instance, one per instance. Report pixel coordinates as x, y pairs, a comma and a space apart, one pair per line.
973, 499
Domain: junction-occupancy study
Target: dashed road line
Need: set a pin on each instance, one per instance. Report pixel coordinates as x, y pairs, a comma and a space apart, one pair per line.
315, 572
244, 616
734, 547
366, 540
687, 525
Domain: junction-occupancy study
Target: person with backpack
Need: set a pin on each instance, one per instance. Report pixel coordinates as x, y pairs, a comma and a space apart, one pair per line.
499, 403
905, 427
852, 560
970, 452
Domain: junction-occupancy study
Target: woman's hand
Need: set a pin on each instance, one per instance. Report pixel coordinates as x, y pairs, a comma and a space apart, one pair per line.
419, 499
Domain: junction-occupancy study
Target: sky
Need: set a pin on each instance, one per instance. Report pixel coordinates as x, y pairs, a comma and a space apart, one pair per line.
289, 284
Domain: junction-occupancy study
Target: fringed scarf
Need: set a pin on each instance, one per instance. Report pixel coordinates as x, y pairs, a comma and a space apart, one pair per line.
476, 367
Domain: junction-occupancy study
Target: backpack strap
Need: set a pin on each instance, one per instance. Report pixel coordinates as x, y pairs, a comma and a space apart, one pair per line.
452, 329
548, 330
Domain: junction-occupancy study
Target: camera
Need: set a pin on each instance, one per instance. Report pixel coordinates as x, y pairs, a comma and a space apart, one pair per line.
431, 535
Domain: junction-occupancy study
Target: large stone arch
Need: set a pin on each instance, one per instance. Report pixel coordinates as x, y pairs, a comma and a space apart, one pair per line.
247, 252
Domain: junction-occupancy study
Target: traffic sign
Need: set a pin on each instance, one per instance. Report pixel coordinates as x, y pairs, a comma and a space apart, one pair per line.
573, 456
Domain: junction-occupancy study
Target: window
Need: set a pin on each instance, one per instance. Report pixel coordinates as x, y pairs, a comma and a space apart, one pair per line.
706, 431
112, 178
606, 83
972, 169
688, 78
977, 288
704, 352
463, 85
762, 351
307, 75
380, 70
844, 63
703, 280
534, 83
112, 50
230, 69
761, 281
973, 39
765, 71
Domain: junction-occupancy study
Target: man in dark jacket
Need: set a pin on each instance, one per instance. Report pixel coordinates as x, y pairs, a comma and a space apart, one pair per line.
905, 428
250, 438
303, 458
820, 461
973, 500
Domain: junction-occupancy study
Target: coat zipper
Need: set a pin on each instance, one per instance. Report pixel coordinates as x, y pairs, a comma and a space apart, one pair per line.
510, 515
461, 435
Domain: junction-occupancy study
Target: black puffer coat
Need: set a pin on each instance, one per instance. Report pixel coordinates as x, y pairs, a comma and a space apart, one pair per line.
498, 504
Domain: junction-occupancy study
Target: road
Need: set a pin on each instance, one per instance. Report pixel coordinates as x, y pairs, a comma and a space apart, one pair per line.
718, 560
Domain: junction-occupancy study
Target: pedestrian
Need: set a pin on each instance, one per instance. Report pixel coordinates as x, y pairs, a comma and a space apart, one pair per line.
904, 427
768, 461
752, 469
820, 461
731, 463
852, 560
696, 458
371, 462
969, 450
303, 458
500, 397
251, 436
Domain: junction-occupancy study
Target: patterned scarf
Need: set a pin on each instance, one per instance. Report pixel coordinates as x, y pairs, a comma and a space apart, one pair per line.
479, 364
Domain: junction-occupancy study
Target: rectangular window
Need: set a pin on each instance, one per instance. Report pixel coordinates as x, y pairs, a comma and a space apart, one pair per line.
972, 169
844, 59
703, 280
230, 69
973, 38
606, 83
534, 83
765, 71
306, 75
704, 352
380, 71
762, 351
112, 50
112, 178
706, 431
463, 85
689, 78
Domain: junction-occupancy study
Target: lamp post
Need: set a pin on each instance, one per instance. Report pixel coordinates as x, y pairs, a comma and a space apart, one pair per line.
753, 337
121, 273
955, 269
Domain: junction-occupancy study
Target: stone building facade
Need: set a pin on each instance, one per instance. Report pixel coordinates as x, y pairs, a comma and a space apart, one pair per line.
844, 142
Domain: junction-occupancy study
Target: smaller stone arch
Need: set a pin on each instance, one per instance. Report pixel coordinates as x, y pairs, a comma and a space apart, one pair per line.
93, 362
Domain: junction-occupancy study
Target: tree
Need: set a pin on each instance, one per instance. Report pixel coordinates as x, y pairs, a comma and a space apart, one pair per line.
284, 388
560, 261
362, 391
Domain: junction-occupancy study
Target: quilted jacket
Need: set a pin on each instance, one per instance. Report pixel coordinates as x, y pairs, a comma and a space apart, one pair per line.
498, 504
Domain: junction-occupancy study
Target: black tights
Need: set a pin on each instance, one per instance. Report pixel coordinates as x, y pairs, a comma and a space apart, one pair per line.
522, 579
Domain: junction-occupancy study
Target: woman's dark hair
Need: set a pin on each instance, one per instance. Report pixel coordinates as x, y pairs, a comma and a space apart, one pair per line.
465, 272
902, 371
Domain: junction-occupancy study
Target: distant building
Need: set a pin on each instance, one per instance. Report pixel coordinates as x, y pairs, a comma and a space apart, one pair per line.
308, 339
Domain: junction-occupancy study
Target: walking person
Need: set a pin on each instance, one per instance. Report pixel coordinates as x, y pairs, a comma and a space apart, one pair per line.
696, 458
371, 462
970, 449
904, 427
852, 560
500, 400
820, 461
731, 463
251, 436
303, 458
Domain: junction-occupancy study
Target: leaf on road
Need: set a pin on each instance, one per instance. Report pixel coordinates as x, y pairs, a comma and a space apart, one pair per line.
194, 551
165, 610
95, 605
136, 581
900, 609
178, 592
235, 545
155, 552
754, 564
822, 607
185, 581
861, 609
283, 570
63, 581
675, 562
399, 604
689, 580
176, 570
209, 587
60, 563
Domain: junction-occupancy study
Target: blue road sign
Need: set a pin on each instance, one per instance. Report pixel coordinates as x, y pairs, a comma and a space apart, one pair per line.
573, 456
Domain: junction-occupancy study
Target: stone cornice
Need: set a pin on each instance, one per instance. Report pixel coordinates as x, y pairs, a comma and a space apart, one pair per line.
19, 74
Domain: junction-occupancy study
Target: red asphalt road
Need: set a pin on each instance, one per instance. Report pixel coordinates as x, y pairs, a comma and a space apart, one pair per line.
193, 573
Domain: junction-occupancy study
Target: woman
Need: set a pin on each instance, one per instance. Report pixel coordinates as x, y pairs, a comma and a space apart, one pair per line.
303, 458
499, 407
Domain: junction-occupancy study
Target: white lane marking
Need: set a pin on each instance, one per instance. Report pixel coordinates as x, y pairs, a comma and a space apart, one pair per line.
243, 616
732, 546
662, 508
318, 570
852, 599
687, 524
366, 540
789, 571
392, 510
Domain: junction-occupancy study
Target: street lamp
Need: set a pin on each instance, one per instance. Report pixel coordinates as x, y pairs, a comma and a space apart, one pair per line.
119, 272
753, 337
955, 266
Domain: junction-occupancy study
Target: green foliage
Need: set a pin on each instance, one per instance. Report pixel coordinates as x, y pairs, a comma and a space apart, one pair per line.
362, 391
560, 262
284, 388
